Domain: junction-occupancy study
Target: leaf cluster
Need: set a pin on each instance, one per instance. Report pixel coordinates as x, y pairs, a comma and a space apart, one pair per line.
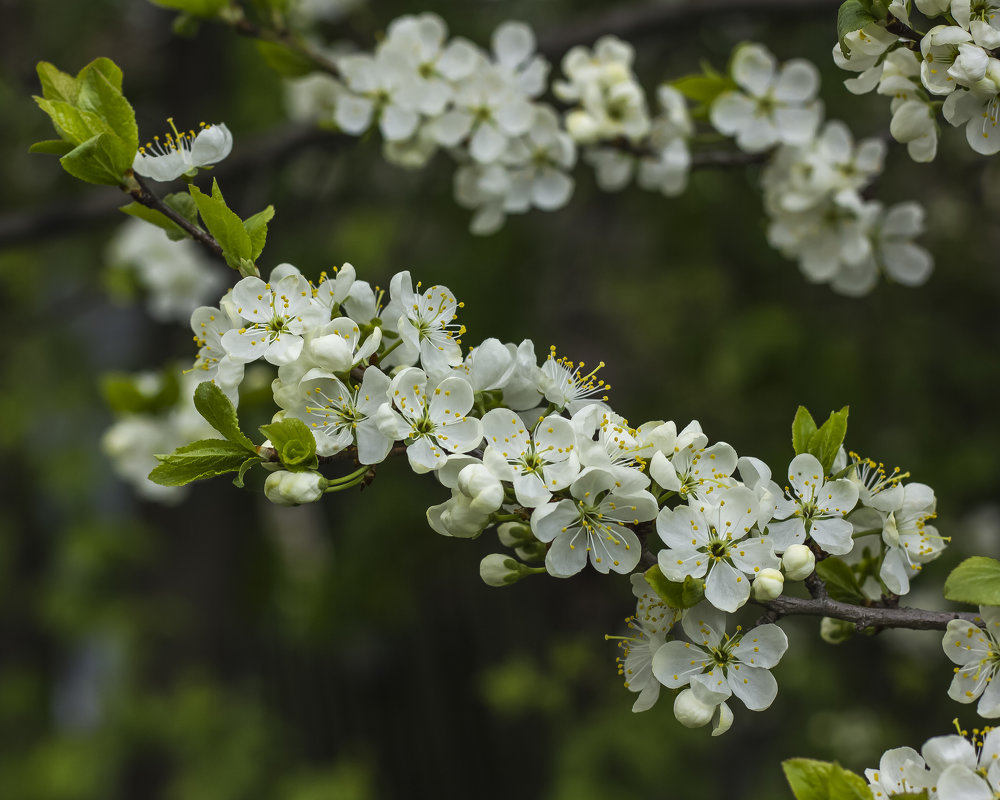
823, 442
98, 135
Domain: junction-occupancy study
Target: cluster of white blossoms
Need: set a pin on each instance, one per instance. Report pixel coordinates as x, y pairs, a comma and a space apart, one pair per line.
425, 92
176, 277
953, 60
953, 767
535, 448
814, 181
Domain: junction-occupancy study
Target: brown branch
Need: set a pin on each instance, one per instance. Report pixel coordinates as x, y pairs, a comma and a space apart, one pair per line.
143, 195
644, 20
865, 616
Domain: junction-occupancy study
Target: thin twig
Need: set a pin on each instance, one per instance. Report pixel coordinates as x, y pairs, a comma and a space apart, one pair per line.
866, 616
145, 196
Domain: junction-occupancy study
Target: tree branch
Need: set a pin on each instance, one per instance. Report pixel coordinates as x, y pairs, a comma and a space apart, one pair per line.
143, 195
865, 616
644, 20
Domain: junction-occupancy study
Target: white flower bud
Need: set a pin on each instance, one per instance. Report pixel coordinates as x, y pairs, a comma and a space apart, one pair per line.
835, 631
798, 562
499, 570
293, 488
514, 534
331, 352
482, 487
768, 584
455, 517
582, 127
690, 711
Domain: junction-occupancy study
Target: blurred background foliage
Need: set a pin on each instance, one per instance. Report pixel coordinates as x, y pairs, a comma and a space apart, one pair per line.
227, 649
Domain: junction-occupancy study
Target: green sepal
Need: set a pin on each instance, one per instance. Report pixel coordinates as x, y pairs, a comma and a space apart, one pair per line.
294, 443
976, 581
841, 583
284, 60
852, 16
244, 468
823, 780
256, 227
154, 217
205, 458
803, 427
676, 595
53, 147
217, 409
103, 159
224, 224
196, 8
123, 396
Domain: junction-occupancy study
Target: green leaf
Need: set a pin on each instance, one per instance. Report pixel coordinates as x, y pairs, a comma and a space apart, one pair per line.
71, 123
808, 778
244, 468
55, 147
294, 442
976, 580
668, 591
841, 583
106, 67
852, 16
847, 785
703, 88
103, 159
256, 227
99, 95
196, 8
154, 217
284, 60
921, 795
803, 427
220, 413
825, 443
184, 204
56, 84
224, 224
205, 458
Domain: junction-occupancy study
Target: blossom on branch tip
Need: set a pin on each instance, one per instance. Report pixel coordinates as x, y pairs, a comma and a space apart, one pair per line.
183, 152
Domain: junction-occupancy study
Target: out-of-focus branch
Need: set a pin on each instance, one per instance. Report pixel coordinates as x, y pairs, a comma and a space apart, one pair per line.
274, 147
643, 20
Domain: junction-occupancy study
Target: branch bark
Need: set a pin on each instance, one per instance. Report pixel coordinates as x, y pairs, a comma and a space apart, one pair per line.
866, 616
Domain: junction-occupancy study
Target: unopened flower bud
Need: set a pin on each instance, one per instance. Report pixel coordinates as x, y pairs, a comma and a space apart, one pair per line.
798, 562
582, 127
514, 534
768, 584
835, 631
690, 711
294, 488
499, 570
331, 352
532, 551
482, 487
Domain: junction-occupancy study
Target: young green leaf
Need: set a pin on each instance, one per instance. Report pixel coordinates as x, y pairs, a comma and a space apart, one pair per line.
220, 413
668, 591
847, 785
205, 458
803, 427
102, 159
976, 581
808, 778
154, 217
841, 583
224, 224
54, 147
106, 67
244, 468
294, 442
56, 84
703, 88
256, 226
99, 96
285, 61
825, 443
71, 123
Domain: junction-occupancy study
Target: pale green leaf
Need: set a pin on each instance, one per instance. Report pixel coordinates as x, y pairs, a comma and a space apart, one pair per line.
205, 458
976, 581
220, 413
